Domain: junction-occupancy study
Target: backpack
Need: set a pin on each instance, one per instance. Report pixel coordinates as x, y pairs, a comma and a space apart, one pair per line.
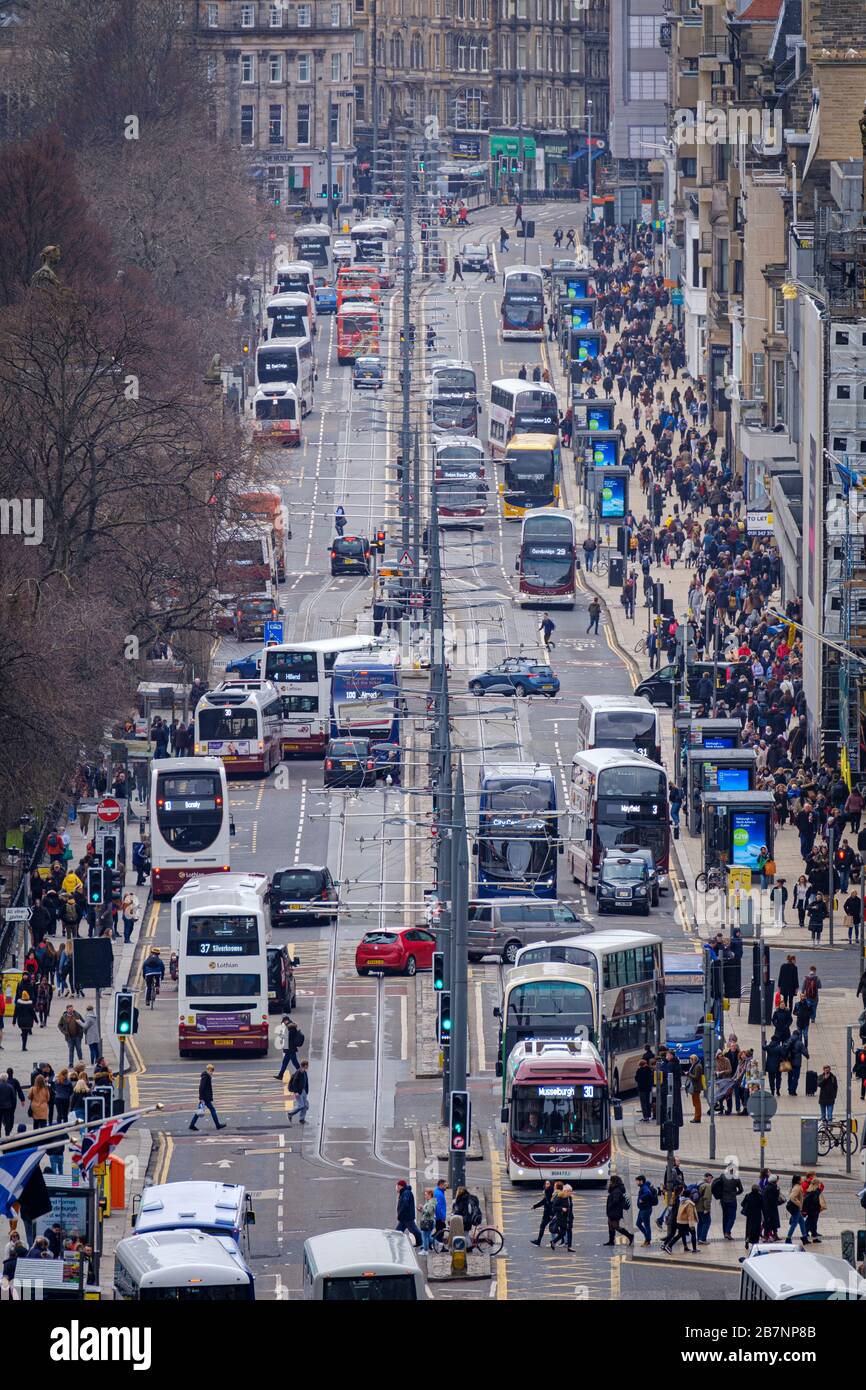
70, 912
810, 987
716, 1189
473, 1210
299, 1040
295, 1085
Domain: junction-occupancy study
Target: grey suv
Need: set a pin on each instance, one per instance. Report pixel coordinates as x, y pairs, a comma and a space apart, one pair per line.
500, 928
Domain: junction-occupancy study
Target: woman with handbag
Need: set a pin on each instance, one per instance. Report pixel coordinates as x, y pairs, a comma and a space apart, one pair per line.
814, 1203
38, 1097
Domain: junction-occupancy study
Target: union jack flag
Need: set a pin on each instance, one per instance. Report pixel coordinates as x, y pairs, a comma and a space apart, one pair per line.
96, 1145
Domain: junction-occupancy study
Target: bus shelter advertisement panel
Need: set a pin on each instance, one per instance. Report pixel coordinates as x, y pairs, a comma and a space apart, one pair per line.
748, 837
612, 499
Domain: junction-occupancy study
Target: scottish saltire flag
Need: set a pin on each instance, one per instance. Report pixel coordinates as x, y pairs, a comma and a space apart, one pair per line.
15, 1170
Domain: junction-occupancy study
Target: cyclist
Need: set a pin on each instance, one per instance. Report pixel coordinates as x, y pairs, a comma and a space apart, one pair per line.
153, 971
340, 520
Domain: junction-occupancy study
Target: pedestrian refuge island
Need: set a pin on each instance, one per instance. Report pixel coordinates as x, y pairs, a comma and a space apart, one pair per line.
717, 770
736, 827
702, 733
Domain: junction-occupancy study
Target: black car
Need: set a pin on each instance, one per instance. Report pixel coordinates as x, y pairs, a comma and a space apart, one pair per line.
350, 555
350, 762
623, 885
659, 687
303, 892
282, 997
475, 255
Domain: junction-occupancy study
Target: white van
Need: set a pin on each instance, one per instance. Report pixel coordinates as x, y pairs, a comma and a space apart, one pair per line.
288, 360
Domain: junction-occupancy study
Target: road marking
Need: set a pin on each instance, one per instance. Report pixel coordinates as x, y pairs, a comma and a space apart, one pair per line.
404, 1028
302, 813
498, 1219
315, 498
479, 1026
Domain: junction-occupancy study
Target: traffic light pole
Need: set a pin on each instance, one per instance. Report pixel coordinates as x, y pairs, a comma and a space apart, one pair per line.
121, 1067
406, 352
459, 968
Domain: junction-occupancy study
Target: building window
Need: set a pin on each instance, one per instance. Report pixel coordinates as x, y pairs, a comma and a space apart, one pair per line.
643, 140
689, 167
305, 16
360, 101
248, 68
485, 15
575, 63
247, 125
275, 125
461, 9
335, 67
522, 9
437, 49
539, 49
461, 55
521, 53
303, 67
778, 311
335, 124
303, 124
647, 86
336, 16
780, 393
248, 16
275, 16
473, 10
275, 184
759, 376
485, 55
473, 56
720, 266
213, 16
359, 6
275, 67
643, 31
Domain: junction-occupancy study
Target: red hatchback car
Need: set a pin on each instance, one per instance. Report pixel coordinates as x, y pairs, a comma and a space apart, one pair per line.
401, 951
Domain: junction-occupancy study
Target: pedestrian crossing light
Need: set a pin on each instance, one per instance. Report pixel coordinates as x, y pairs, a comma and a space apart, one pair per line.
125, 1014
438, 970
94, 886
459, 1121
444, 1017
109, 851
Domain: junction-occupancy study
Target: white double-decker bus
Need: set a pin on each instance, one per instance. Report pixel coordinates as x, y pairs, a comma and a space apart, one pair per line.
222, 989
242, 727
190, 824
301, 672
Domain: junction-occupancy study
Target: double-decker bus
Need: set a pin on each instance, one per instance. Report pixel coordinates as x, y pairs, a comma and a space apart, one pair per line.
627, 722
685, 1005
519, 407
628, 981
557, 1113
313, 244
616, 798
301, 672
190, 824
453, 400
358, 282
518, 831
544, 1001
375, 242
242, 727
366, 699
523, 303
546, 559
222, 986
461, 491
532, 474
289, 316
295, 277
276, 416
357, 330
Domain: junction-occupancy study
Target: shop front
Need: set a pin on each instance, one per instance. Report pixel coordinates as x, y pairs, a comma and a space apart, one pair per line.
513, 164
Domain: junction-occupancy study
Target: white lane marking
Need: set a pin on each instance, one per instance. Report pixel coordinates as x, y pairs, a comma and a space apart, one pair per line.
479, 1026
315, 499
404, 1028
302, 813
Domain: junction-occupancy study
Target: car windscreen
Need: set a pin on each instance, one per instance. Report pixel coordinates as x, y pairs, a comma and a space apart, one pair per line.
304, 883
379, 938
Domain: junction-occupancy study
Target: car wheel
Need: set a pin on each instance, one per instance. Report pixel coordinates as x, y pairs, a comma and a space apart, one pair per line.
646, 910
475, 688
411, 966
521, 692
509, 955
361, 971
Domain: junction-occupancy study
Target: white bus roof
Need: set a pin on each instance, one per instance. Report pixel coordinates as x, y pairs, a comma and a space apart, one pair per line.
597, 943
534, 272
289, 299
354, 306
377, 224
789, 1271
462, 441
360, 1250
187, 765
516, 384
596, 760
314, 229
277, 390
549, 970
547, 1052
386, 656
362, 641
530, 770
194, 1205
229, 697
293, 266
163, 1258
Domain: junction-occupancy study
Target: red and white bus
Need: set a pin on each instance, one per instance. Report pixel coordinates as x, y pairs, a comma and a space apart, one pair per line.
351, 278
616, 798
301, 672
357, 330
461, 492
523, 303
556, 1112
546, 559
242, 727
222, 988
190, 825
276, 416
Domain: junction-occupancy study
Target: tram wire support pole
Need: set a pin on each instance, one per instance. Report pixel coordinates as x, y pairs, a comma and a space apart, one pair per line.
459, 947
831, 877
406, 348
440, 764
849, 1099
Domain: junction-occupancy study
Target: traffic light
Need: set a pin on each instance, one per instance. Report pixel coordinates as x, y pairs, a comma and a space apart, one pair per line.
424, 229
246, 344
95, 886
438, 970
109, 851
125, 1014
459, 1121
444, 1016
379, 543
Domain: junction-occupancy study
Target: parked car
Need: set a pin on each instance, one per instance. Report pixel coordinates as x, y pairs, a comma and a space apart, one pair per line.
349, 762
516, 676
282, 996
623, 884
398, 950
303, 891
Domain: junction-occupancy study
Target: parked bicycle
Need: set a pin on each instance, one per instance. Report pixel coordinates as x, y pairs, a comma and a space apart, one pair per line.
486, 1240
837, 1134
709, 879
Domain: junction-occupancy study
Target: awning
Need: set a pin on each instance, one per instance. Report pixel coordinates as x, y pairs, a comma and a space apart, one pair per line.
581, 154
455, 167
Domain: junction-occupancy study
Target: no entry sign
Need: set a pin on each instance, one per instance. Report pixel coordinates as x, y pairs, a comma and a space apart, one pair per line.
108, 809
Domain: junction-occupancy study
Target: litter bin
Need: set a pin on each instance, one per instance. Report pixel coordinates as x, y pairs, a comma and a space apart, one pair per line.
808, 1143
615, 572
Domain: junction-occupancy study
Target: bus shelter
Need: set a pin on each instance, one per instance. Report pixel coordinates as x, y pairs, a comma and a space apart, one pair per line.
736, 827
702, 733
717, 770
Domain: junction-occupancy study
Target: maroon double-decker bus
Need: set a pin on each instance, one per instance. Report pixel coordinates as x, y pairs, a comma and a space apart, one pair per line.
546, 561
556, 1113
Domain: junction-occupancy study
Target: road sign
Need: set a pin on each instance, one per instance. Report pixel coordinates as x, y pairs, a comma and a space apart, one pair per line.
274, 631
108, 810
677, 297
770, 1105
18, 914
405, 558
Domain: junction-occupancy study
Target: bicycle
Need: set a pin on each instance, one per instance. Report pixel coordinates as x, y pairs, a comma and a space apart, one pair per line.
640, 645
710, 878
601, 567
836, 1134
486, 1240
151, 990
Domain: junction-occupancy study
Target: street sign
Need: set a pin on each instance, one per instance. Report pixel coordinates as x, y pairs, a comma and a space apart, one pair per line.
677, 297
405, 558
756, 1126
274, 630
108, 810
18, 914
760, 523
770, 1105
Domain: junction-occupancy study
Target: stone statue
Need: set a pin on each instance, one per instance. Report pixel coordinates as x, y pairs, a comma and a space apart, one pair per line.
45, 276
213, 375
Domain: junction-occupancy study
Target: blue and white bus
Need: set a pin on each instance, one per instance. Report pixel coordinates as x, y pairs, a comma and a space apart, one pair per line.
684, 1005
366, 699
518, 831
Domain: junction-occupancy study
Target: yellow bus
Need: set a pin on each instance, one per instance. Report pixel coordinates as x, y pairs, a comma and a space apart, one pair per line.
532, 474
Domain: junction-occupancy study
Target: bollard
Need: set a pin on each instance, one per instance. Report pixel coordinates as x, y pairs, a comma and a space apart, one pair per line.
458, 1245
808, 1143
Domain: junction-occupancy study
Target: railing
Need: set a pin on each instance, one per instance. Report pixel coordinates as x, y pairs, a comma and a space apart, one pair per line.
9, 931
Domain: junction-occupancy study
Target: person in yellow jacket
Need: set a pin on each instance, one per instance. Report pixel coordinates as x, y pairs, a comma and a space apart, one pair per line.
72, 883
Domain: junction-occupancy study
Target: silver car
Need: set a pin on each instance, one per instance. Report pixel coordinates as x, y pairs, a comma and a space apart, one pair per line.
500, 928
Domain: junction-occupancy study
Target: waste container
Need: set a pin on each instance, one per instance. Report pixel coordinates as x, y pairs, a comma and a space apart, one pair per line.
808, 1143
615, 572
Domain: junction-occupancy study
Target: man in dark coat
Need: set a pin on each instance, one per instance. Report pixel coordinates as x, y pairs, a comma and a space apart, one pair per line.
406, 1211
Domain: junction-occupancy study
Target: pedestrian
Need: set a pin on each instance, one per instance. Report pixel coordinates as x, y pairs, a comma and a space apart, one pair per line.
44, 995
518, 216
300, 1089
565, 1219
794, 1208
644, 1081
457, 274
594, 616
546, 627
80, 1092
39, 1097
289, 1038
92, 1034
814, 1203
726, 1188
828, 1089
205, 1098
704, 1208
25, 1017
406, 1212
797, 1050
558, 1213
774, 1056
817, 910
647, 1198
503, 240
589, 548
694, 1086
686, 1223
129, 910
62, 1095
812, 990
779, 897
852, 916
544, 1202
771, 1200
551, 328
71, 1025
752, 1207
616, 1206
789, 981
8, 1101
427, 1223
